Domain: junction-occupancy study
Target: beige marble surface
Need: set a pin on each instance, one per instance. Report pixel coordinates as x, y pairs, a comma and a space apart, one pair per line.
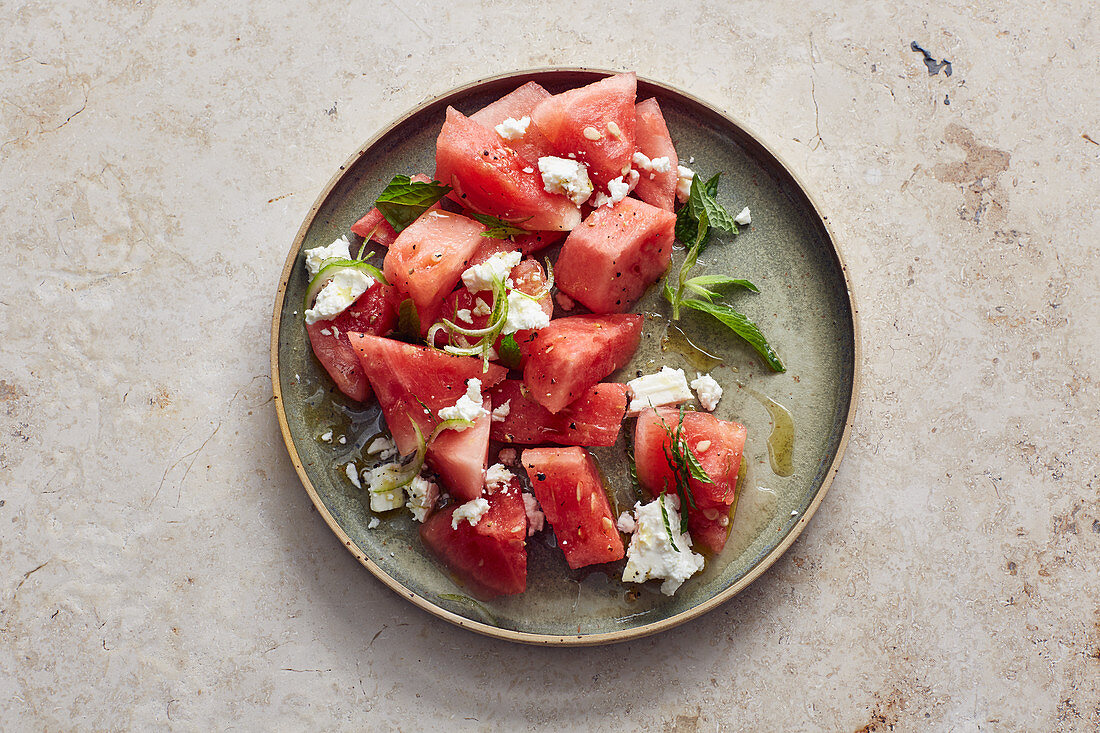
164, 568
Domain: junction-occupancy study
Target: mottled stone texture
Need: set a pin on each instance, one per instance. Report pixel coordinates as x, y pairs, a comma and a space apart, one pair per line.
164, 566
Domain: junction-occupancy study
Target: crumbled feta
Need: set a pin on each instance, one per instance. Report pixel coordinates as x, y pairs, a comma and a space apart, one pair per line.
656, 165
626, 523
523, 312
666, 387
651, 555
382, 500
326, 332
709, 391
353, 475
343, 439
481, 308
471, 511
343, 290
373, 523
683, 182
327, 436
501, 412
464, 315
567, 177
497, 477
618, 188
481, 277
315, 258
422, 494
536, 520
469, 406
507, 456
744, 218
513, 129
382, 445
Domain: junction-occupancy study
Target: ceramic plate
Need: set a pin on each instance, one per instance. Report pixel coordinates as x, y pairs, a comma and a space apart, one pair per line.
804, 308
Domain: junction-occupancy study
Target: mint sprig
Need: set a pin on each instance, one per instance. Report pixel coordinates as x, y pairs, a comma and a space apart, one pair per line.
403, 200
498, 228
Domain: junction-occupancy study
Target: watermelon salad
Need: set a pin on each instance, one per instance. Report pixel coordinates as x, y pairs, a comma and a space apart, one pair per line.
488, 310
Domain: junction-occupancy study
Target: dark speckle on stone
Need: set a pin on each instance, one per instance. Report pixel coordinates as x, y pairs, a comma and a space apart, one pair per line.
1095, 522
930, 61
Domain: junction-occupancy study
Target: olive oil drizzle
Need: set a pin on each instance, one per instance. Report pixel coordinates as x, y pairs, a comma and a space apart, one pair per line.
781, 440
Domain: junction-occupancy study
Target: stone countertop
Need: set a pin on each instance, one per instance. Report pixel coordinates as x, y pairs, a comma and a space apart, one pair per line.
165, 567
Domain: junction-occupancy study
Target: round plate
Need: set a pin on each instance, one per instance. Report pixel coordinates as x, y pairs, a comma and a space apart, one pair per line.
804, 308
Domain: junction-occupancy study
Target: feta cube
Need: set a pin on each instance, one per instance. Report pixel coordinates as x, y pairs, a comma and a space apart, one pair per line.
481, 277
513, 129
381, 499
353, 475
666, 387
524, 312
422, 495
471, 511
744, 218
343, 290
655, 555
497, 477
567, 177
683, 182
315, 258
708, 390
468, 407
501, 412
655, 165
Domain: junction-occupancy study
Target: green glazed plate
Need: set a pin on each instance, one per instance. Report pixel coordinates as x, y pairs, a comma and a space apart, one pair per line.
805, 309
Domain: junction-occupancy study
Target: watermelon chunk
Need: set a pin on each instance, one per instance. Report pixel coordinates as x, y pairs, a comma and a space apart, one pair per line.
571, 354
594, 418
567, 484
491, 178
537, 241
489, 559
374, 221
628, 244
606, 106
717, 444
426, 260
374, 312
656, 188
409, 378
517, 105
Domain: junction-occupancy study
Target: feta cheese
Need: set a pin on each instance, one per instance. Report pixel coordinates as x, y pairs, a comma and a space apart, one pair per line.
683, 182
326, 332
744, 218
373, 523
655, 165
315, 258
626, 523
342, 440
382, 500
343, 290
618, 188
383, 446
567, 177
513, 129
327, 436
507, 456
422, 494
469, 406
471, 511
464, 315
481, 308
481, 277
651, 555
708, 389
353, 475
536, 520
499, 413
524, 312
497, 477
666, 387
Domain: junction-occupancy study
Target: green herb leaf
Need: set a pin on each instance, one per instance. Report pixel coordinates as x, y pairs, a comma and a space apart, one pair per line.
742, 326
509, 352
703, 200
408, 322
721, 281
664, 516
403, 200
498, 228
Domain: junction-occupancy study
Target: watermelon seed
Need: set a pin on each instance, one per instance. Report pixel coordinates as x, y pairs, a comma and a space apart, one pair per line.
592, 133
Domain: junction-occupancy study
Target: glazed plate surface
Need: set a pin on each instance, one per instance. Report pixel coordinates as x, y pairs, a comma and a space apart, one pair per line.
804, 308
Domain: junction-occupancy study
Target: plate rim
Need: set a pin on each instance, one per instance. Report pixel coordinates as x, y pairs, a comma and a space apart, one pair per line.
526, 637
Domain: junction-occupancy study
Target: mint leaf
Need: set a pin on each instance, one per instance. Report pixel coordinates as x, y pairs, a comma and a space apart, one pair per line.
498, 228
509, 352
742, 326
703, 201
664, 516
408, 322
403, 200
707, 281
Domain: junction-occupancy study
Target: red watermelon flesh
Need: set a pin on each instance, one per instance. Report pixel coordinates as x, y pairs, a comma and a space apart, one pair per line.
570, 491
426, 260
491, 178
517, 105
717, 444
537, 241
489, 559
373, 221
593, 419
657, 189
629, 244
571, 354
563, 119
461, 456
405, 375
374, 312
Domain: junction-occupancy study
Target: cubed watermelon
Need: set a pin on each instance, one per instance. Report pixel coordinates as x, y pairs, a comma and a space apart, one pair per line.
717, 444
656, 187
491, 178
567, 483
593, 419
490, 558
537, 241
517, 105
426, 260
374, 312
628, 244
595, 122
571, 354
